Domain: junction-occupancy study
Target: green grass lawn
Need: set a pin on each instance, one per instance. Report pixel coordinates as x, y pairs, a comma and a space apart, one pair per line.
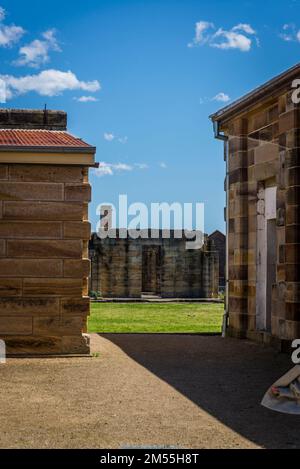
150, 317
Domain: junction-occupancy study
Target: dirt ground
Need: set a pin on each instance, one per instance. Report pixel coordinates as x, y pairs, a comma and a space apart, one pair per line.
147, 390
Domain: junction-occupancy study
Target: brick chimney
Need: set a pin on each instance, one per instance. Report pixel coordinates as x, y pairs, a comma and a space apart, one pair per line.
33, 119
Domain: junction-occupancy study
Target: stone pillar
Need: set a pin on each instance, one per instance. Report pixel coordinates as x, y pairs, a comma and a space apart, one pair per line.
238, 228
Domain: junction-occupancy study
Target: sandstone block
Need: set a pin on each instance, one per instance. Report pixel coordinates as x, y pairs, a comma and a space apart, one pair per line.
31, 191
13, 326
289, 120
3, 171
2, 248
21, 306
77, 268
78, 192
57, 326
30, 230
43, 211
75, 306
10, 287
30, 268
79, 230
52, 287
46, 173
44, 249
266, 152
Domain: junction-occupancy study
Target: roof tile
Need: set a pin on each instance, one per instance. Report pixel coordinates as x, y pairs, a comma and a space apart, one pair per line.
39, 138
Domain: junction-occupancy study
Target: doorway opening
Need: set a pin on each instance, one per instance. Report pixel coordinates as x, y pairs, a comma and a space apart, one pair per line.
151, 270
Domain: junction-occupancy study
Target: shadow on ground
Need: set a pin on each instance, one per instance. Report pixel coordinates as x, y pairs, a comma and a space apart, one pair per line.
225, 377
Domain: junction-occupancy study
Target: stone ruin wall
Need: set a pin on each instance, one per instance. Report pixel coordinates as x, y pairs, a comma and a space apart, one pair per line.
117, 268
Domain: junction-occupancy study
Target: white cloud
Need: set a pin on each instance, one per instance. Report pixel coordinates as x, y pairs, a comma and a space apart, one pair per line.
200, 28
244, 27
37, 52
235, 38
163, 165
290, 33
231, 40
109, 169
108, 136
3, 94
10, 34
47, 83
222, 97
2, 13
123, 139
86, 99
122, 167
141, 165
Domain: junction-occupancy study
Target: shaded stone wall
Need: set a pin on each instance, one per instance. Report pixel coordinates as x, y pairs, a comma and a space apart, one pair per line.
219, 240
117, 267
44, 262
264, 153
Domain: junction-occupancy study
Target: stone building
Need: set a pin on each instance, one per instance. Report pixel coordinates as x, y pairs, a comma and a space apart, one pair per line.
128, 268
219, 242
261, 132
44, 234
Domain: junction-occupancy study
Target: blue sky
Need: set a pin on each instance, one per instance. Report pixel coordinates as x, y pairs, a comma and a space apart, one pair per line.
142, 82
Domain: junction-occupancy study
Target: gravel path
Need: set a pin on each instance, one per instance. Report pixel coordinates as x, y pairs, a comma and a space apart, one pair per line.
146, 390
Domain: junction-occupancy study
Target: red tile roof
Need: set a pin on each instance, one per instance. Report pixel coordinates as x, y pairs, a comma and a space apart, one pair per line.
40, 138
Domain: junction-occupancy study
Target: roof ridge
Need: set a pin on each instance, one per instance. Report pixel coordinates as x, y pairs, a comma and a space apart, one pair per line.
34, 130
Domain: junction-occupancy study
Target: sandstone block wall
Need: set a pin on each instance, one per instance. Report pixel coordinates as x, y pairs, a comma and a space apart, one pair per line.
44, 265
118, 265
264, 152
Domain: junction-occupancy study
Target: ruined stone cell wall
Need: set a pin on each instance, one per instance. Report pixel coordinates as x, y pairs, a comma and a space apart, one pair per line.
264, 152
117, 268
219, 240
44, 265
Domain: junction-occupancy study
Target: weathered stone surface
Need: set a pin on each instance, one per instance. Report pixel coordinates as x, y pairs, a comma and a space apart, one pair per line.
33, 119
10, 287
266, 152
3, 171
30, 230
31, 267
2, 247
75, 306
13, 326
31, 191
78, 192
60, 249
21, 306
289, 120
46, 173
77, 268
77, 230
52, 286
58, 326
43, 211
